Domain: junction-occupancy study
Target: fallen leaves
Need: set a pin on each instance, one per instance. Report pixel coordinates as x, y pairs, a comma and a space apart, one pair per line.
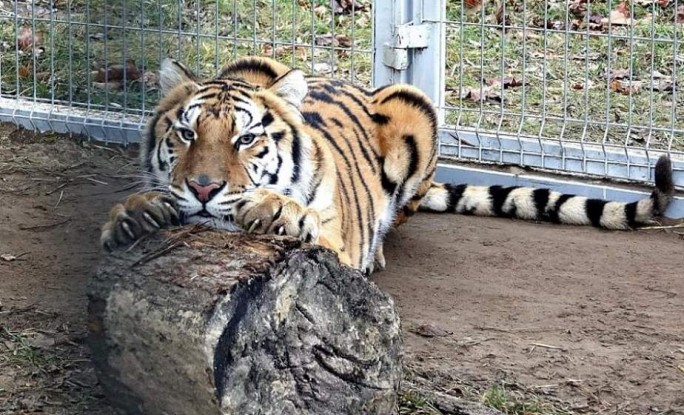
334, 40
620, 15
346, 6
26, 40
113, 76
491, 90
679, 16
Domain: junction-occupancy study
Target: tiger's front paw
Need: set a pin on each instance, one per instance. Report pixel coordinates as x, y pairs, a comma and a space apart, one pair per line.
139, 215
263, 211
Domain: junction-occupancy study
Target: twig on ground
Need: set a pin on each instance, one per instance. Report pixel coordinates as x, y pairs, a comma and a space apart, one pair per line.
61, 195
96, 181
47, 226
548, 346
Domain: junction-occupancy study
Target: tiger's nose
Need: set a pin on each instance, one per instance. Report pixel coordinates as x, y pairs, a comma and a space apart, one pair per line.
204, 189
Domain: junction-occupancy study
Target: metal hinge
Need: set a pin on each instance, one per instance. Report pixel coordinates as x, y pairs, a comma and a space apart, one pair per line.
406, 36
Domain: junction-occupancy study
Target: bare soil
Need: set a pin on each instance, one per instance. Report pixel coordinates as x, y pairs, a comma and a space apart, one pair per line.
531, 318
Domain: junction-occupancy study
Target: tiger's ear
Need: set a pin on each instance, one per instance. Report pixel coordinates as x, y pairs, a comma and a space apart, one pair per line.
291, 87
173, 73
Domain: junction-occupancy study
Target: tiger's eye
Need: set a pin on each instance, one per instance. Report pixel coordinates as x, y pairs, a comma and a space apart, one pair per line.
187, 134
247, 139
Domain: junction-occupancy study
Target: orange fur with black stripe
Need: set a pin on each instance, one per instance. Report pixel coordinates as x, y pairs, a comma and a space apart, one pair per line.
265, 149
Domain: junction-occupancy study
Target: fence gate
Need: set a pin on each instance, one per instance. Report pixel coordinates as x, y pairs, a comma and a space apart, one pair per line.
589, 88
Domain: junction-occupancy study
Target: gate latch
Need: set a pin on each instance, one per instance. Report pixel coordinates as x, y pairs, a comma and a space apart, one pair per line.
406, 36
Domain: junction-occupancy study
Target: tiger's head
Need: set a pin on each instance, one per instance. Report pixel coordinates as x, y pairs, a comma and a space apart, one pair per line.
208, 142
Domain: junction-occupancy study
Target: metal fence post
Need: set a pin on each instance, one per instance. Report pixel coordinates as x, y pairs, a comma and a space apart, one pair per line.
409, 45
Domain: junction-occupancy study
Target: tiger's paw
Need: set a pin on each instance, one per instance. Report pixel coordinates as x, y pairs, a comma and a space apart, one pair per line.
265, 212
139, 215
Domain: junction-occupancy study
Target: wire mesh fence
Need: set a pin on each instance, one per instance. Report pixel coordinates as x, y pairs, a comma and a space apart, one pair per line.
96, 59
584, 86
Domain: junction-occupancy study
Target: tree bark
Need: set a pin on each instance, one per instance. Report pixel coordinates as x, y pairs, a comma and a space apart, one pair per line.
202, 322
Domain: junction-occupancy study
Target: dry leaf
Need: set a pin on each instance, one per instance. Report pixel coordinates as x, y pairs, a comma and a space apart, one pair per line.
337, 40
25, 72
346, 6
150, 79
320, 10
26, 40
619, 16
481, 94
618, 74
430, 330
269, 50
625, 86
115, 73
577, 86
578, 7
507, 82
472, 5
109, 86
661, 82
322, 68
679, 16
595, 22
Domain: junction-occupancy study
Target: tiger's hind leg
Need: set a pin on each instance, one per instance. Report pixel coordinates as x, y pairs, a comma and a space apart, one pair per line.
406, 136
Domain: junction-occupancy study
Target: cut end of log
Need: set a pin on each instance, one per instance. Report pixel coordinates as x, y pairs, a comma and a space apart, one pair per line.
202, 322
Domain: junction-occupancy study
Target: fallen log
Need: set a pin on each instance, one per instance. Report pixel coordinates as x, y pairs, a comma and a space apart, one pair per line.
202, 322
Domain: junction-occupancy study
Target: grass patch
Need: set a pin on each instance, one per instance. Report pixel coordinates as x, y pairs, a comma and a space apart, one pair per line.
18, 351
565, 60
412, 403
514, 403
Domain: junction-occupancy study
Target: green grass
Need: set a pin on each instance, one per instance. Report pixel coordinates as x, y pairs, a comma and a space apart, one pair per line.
554, 63
498, 397
23, 354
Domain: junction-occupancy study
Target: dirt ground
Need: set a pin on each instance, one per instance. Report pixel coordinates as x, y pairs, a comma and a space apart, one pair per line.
531, 318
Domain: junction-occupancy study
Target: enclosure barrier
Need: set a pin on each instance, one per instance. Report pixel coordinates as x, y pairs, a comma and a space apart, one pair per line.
584, 88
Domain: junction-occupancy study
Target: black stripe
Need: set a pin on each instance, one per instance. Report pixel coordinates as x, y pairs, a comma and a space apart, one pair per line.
553, 213
594, 208
278, 135
541, 199
267, 119
321, 96
413, 154
380, 118
208, 95
364, 152
455, 194
262, 153
415, 100
387, 185
408, 212
349, 165
249, 64
151, 140
337, 122
630, 214
296, 157
498, 196
186, 71
314, 119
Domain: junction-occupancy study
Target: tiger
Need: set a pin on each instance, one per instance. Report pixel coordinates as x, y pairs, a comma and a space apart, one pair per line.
264, 148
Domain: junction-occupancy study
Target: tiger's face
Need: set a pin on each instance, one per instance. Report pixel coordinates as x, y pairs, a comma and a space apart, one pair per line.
210, 142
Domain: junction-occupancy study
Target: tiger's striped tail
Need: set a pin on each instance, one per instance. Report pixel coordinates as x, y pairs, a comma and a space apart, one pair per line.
548, 205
